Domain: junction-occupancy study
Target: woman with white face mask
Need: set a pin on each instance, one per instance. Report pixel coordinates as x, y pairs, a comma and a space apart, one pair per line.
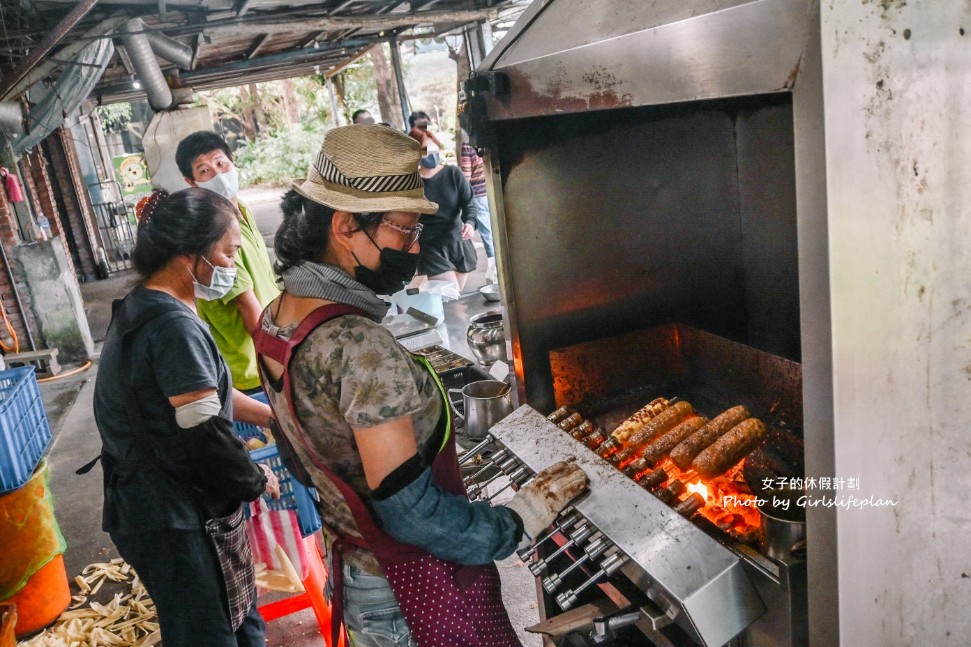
233, 317
175, 473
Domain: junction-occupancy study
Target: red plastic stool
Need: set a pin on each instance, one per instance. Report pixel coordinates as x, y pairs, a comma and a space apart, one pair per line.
313, 596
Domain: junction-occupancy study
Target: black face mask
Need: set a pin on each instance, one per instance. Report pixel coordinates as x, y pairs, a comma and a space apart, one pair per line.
396, 269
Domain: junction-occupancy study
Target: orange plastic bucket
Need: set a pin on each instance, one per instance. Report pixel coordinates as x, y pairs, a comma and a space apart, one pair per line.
44, 597
8, 620
32, 573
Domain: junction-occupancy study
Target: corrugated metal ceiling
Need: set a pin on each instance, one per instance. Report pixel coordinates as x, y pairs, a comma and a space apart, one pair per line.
241, 41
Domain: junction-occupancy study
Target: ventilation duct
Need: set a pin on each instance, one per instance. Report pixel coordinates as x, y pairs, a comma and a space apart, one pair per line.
73, 86
179, 54
11, 118
139, 48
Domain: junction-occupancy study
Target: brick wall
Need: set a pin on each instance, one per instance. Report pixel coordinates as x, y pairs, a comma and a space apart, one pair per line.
9, 238
42, 195
41, 191
77, 205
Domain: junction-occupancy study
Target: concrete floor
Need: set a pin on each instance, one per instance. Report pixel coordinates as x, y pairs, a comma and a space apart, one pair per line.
78, 499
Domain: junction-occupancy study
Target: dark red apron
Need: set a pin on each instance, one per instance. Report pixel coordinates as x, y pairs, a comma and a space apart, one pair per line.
444, 604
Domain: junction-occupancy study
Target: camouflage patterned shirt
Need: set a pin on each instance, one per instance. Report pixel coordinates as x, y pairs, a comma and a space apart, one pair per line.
351, 372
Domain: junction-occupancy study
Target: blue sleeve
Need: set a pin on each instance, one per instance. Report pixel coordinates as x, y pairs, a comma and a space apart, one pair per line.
446, 525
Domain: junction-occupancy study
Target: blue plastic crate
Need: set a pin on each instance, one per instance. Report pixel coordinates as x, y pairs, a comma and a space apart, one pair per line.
24, 430
293, 495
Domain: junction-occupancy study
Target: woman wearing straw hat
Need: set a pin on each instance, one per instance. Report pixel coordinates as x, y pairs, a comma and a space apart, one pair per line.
366, 423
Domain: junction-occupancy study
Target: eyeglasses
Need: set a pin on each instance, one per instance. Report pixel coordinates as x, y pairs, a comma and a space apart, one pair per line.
421, 126
412, 232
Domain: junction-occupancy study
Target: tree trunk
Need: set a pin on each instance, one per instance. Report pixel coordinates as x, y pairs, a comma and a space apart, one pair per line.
338, 81
259, 117
463, 70
290, 107
388, 98
246, 115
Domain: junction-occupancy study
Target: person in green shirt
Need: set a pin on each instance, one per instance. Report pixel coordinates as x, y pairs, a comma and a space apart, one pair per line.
205, 161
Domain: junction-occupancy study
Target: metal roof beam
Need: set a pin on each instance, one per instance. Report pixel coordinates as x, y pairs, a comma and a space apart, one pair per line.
258, 46
241, 7
282, 58
340, 23
340, 7
318, 36
226, 76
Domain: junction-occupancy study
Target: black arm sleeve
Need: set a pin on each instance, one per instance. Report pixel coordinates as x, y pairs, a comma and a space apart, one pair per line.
220, 464
465, 196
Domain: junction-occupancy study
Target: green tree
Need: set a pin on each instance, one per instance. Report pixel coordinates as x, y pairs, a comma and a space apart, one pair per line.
312, 91
115, 117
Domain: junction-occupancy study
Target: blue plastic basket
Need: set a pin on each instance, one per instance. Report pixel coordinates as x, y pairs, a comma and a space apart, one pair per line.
293, 494
24, 430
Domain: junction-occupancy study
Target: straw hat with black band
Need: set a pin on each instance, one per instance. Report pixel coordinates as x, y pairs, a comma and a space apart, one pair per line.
364, 168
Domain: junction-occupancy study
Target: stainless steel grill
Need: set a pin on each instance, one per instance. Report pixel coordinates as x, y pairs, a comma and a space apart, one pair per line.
680, 579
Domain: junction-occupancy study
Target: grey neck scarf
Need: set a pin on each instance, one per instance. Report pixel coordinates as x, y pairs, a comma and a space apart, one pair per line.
319, 281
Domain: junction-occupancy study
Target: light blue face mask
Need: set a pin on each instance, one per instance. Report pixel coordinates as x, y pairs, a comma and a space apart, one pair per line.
219, 286
225, 184
432, 160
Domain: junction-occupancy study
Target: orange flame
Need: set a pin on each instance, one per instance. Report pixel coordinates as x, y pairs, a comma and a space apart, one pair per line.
700, 488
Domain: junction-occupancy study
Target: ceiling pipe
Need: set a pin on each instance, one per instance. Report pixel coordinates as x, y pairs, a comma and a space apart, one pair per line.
12, 118
179, 54
142, 56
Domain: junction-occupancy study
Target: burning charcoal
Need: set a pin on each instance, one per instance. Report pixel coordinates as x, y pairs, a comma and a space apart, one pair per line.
570, 421
637, 467
593, 440
585, 429
560, 414
651, 480
690, 505
670, 493
611, 446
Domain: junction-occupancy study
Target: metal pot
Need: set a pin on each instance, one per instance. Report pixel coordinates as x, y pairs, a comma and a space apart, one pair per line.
783, 525
486, 338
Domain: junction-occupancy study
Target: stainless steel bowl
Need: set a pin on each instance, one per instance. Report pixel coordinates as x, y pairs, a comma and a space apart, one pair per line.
490, 292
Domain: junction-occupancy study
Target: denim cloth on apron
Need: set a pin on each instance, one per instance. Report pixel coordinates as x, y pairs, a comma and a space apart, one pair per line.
445, 604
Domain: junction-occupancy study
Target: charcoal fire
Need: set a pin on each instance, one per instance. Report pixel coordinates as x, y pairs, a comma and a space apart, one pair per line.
645, 445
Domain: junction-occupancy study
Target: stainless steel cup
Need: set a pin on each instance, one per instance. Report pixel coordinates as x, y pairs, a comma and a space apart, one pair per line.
486, 403
783, 527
